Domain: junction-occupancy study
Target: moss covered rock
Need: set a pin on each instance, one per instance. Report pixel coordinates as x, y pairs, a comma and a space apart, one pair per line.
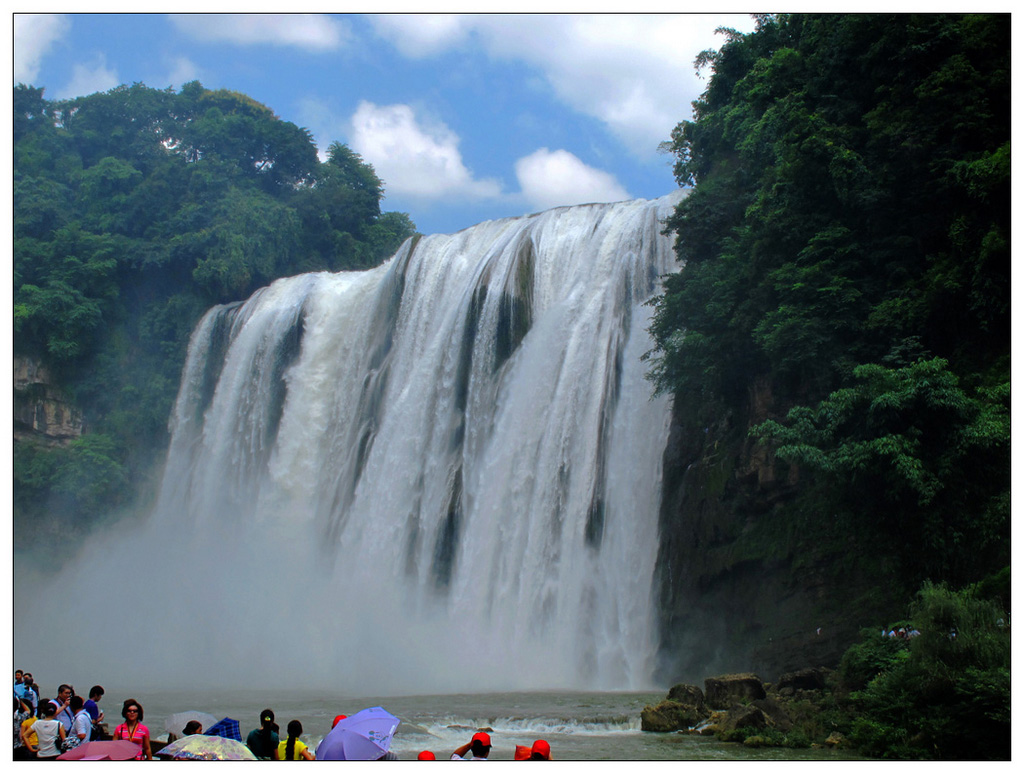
682, 710
724, 691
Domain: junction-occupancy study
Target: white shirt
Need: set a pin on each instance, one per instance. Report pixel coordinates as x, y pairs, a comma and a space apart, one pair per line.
48, 734
82, 724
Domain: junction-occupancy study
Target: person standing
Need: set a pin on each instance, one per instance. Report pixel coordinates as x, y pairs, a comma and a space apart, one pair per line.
30, 692
49, 733
81, 726
133, 730
29, 738
263, 741
293, 748
22, 712
92, 706
63, 705
541, 751
479, 745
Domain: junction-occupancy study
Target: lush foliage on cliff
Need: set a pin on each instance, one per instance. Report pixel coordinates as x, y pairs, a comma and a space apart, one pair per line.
944, 694
935, 686
134, 211
846, 249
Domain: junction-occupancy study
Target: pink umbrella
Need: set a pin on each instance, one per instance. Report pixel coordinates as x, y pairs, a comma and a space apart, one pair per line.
102, 750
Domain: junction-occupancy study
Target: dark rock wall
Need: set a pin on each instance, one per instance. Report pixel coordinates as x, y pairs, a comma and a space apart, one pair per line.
743, 583
42, 410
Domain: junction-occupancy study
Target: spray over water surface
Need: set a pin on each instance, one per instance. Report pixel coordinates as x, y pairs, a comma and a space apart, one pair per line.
441, 475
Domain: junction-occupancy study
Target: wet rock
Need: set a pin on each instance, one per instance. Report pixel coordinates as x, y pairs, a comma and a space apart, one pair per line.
743, 716
669, 716
687, 694
802, 680
723, 691
837, 741
682, 710
774, 712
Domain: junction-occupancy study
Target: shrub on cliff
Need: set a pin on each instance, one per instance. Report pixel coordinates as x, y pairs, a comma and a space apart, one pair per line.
948, 698
869, 658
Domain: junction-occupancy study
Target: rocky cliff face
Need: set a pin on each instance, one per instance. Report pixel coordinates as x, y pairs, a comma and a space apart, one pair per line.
748, 576
42, 411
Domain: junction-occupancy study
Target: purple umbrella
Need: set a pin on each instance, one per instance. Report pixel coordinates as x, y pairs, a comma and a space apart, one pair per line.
365, 736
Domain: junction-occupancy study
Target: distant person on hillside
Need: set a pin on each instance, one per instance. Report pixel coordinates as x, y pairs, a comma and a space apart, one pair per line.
263, 741
293, 748
479, 745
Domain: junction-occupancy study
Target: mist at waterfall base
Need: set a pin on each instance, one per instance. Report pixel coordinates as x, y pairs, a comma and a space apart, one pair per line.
441, 475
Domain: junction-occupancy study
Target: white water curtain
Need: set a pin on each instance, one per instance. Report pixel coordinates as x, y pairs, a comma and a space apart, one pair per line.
442, 474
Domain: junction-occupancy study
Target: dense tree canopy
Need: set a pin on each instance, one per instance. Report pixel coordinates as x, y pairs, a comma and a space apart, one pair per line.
846, 242
135, 210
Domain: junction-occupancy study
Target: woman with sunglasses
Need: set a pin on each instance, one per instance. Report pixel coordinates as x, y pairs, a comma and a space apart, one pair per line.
133, 730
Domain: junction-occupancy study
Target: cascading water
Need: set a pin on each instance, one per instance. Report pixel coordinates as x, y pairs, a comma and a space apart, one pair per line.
439, 475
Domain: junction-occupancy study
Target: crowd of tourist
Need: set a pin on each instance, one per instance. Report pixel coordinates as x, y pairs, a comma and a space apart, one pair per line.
45, 728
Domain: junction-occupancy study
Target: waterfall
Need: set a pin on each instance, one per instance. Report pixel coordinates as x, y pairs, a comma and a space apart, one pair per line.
439, 475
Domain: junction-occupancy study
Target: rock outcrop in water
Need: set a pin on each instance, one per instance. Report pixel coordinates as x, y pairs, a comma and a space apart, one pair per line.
732, 702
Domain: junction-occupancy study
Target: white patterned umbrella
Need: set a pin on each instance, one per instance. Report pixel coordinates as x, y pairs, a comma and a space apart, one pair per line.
199, 747
176, 723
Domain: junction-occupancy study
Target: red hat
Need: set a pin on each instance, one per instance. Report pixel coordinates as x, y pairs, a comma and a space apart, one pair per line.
483, 738
340, 717
426, 755
540, 747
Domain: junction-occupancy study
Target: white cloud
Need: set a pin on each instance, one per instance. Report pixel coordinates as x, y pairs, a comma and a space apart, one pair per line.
34, 36
182, 71
415, 159
316, 32
90, 78
558, 178
633, 72
422, 35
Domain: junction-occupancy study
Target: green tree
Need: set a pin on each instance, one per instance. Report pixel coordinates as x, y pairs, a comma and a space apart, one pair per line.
135, 210
849, 182
248, 244
948, 698
924, 462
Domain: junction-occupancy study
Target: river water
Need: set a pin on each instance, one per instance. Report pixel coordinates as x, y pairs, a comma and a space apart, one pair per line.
579, 726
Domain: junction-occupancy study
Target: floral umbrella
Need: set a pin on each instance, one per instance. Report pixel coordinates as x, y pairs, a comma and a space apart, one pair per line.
199, 747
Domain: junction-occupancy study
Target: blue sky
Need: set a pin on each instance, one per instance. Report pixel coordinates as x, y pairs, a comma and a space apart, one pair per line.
464, 118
